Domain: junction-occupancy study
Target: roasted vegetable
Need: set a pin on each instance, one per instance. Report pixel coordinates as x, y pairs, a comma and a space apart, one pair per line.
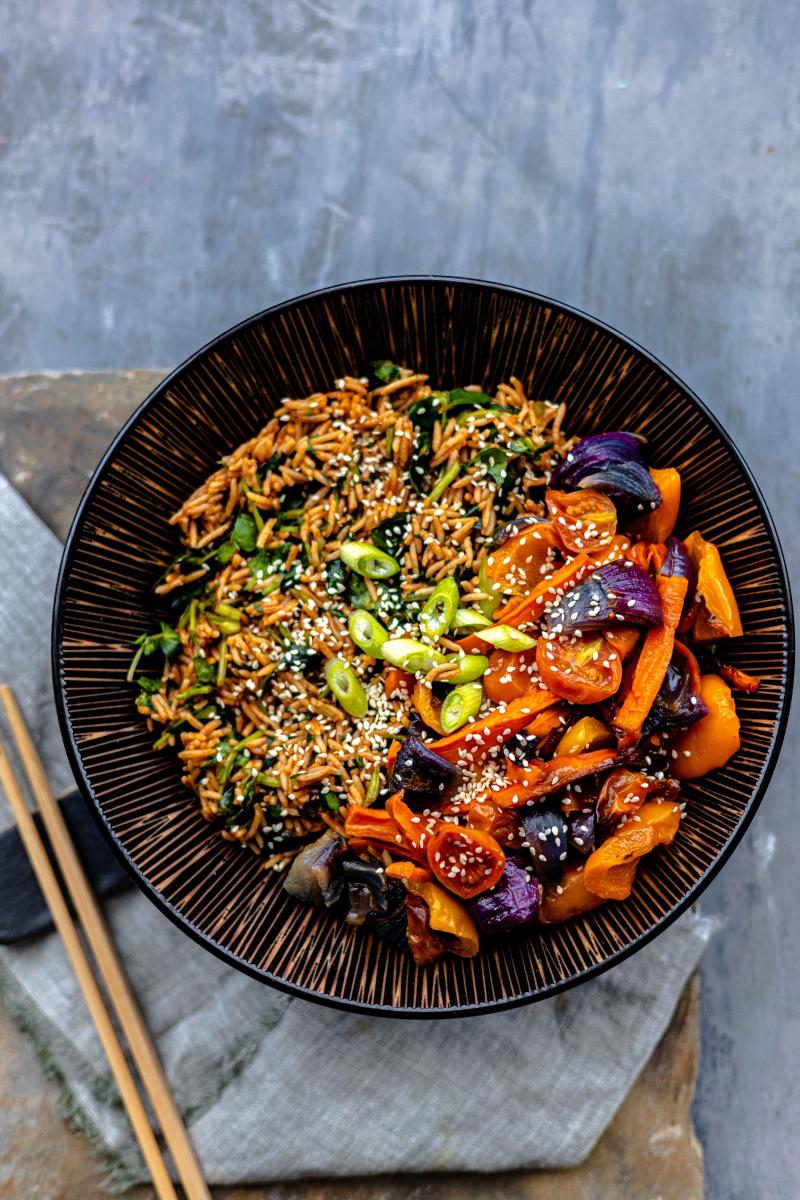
595, 453
586, 734
651, 665
428, 707
624, 792
608, 870
422, 774
619, 592
373, 898
583, 521
578, 669
510, 674
712, 740
512, 902
313, 876
472, 743
543, 778
581, 831
658, 524
365, 826
546, 833
719, 613
465, 861
567, 899
424, 944
501, 823
521, 553
677, 703
446, 915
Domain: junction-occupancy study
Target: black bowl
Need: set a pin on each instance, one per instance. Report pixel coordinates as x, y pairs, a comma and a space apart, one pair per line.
459, 331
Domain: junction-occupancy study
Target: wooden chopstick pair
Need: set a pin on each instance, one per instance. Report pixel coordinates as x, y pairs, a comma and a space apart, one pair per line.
142, 1050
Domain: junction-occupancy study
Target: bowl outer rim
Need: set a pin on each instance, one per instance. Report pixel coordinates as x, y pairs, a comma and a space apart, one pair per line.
170, 910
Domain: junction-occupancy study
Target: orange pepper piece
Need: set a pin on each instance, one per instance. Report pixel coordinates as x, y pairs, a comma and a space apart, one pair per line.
569, 899
719, 613
607, 870
658, 524
712, 740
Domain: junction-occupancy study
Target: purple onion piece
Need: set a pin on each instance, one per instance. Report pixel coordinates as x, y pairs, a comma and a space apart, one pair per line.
513, 902
677, 562
546, 834
595, 453
630, 482
424, 777
581, 831
676, 705
618, 590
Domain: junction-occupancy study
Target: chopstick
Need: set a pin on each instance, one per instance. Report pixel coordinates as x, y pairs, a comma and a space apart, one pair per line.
140, 1044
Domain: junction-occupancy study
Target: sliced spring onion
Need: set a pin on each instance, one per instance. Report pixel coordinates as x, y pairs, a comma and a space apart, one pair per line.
493, 591
470, 667
411, 655
346, 686
367, 632
439, 609
366, 559
469, 618
222, 664
506, 637
460, 706
443, 483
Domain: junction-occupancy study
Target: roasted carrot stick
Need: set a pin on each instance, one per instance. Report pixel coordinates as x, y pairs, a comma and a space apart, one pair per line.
651, 665
521, 609
473, 742
542, 778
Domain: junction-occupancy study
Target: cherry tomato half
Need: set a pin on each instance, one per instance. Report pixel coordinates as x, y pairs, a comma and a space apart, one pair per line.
582, 670
511, 673
501, 823
465, 861
583, 520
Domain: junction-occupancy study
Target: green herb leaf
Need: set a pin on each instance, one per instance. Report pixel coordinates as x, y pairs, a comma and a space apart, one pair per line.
150, 686
332, 800
244, 533
300, 658
496, 461
228, 549
461, 398
390, 534
526, 445
385, 371
336, 577
204, 670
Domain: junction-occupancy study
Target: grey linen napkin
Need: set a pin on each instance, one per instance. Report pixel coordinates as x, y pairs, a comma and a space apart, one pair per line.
277, 1088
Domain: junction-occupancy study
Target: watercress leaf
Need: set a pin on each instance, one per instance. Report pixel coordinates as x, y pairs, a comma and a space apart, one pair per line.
461, 398
526, 445
390, 534
300, 658
227, 550
205, 671
335, 580
150, 686
244, 532
332, 800
385, 371
169, 640
496, 461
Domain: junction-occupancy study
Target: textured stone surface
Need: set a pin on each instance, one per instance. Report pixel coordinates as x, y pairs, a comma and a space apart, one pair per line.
52, 432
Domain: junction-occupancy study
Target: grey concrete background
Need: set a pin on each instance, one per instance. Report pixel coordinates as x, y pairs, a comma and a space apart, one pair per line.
168, 168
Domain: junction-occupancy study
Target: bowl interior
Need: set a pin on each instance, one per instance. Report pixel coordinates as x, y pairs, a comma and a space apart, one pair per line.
459, 332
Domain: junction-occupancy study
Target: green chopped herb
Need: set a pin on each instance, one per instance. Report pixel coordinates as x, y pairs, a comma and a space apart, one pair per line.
496, 461
385, 371
390, 534
226, 552
332, 800
167, 640
300, 658
245, 532
203, 669
336, 577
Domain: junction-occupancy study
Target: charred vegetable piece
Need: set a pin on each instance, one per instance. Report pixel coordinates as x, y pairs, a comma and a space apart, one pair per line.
522, 749
586, 734
543, 778
710, 742
465, 861
677, 703
423, 943
578, 669
447, 916
474, 742
312, 876
623, 794
719, 613
546, 832
501, 823
609, 871
735, 676
567, 899
424, 776
364, 826
428, 707
630, 483
513, 902
581, 831
373, 898
521, 553
596, 452
658, 524
651, 665
617, 592
510, 674
584, 520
